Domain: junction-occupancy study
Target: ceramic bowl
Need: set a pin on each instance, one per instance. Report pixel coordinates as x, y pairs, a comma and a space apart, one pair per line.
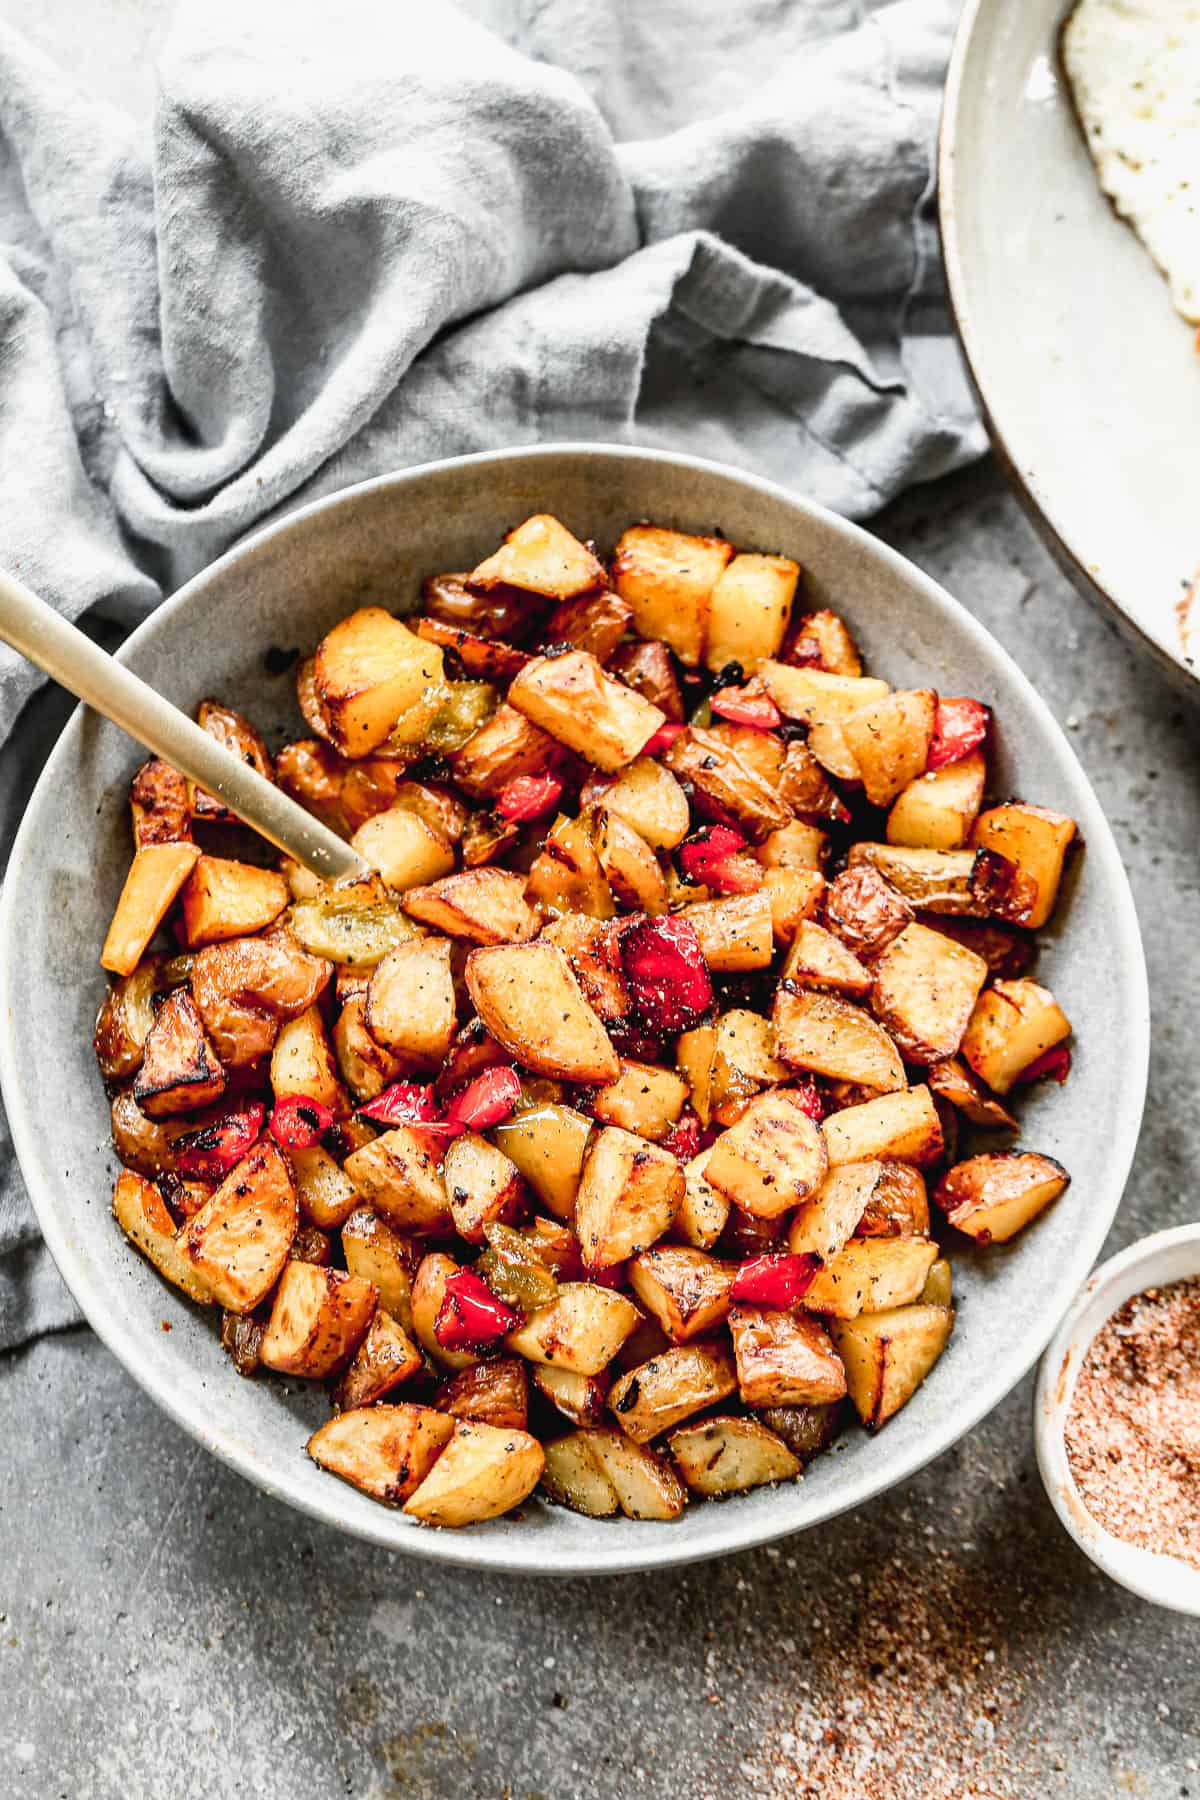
1152, 1262
1089, 379
283, 589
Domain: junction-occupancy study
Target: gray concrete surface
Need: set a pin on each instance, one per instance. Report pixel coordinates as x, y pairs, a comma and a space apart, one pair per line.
166, 1631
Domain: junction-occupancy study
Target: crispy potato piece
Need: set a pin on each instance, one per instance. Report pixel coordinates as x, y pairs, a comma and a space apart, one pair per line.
971, 883
580, 1398
889, 739
574, 1478
140, 1211
351, 923
1007, 951
761, 751
991, 1197
308, 699
824, 1224
649, 670
592, 622
387, 1451
506, 746
802, 782
793, 896
531, 1003
380, 1255
484, 906
629, 1194
749, 610
806, 1430
495, 1392
630, 866
771, 1160
827, 741
870, 1275
246, 988
180, 1071
729, 1455
548, 1144
147, 1145
485, 659
366, 1067
410, 1002
302, 1064
239, 737
816, 697
793, 846
386, 1357
406, 851
372, 786
505, 612
581, 1330
572, 698
125, 1018
668, 579
318, 1318
483, 1184
825, 638
925, 991
158, 800
541, 556
899, 1204
687, 1291
703, 1212
694, 1053
784, 1359
326, 1194
889, 1354
744, 1045
223, 899
1014, 1022
670, 1387
313, 773
239, 1241
817, 959
952, 1080
643, 1099
370, 672
735, 933
400, 1178
566, 877
648, 797
727, 786
828, 1035
865, 911
156, 874
1037, 841
937, 811
903, 1126
646, 1485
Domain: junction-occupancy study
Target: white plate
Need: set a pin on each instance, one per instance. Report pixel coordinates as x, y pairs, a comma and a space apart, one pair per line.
1090, 381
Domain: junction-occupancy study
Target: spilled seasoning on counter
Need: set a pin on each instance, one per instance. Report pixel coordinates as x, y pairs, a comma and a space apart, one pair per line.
1133, 1430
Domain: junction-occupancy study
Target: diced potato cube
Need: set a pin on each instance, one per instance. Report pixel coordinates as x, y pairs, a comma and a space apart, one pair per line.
574, 1478
749, 610
506, 746
889, 739
239, 737
141, 1212
124, 1020
156, 874
223, 899
937, 811
793, 896
380, 1255
180, 1071
581, 1330
794, 846
406, 851
646, 1485
372, 674
903, 1125
685, 1290
644, 1099
864, 910
952, 1080
366, 1067
817, 959
694, 1052
703, 1211
925, 990
730, 1455
483, 1184
871, 1274
580, 1398
302, 1064
888, 1355
784, 1359
1014, 1022
629, 1194
648, 797
482, 1472
822, 1226
1034, 838
598, 717
495, 1392
595, 622
326, 1193
531, 1003
318, 1318
673, 1385
771, 1160
567, 876
159, 800
745, 1045
736, 933
238, 1242
668, 579
410, 1002
387, 1451
400, 1178
828, 1035
730, 786
386, 1357
991, 1197
630, 866
813, 696
543, 557
827, 741
485, 906
548, 1144
898, 1205
829, 635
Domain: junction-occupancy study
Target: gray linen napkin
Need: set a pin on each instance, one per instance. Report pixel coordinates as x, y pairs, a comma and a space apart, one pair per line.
360, 236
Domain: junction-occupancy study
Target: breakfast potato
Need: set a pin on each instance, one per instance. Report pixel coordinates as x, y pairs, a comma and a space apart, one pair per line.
818, 959
318, 1317
730, 1455
694, 1053
761, 751
505, 747
542, 556
326, 1194
668, 579
499, 611
245, 989
887, 1356
531, 1003
744, 1053
703, 1211
793, 895
483, 1184
827, 741
870, 1275
649, 669
969, 883
784, 1359
483, 1471
936, 811
827, 1035
312, 772
156, 874
382, 1256
629, 1193
749, 609
991, 1197
123, 1023
370, 672
793, 846
816, 696
729, 788
400, 1178
735, 934
365, 1066
495, 1392
241, 739
410, 1002
351, 923
239, 1241
823, 639
387, 1451
1036, 840
567, 876
485, 659
303, 1065
648, 797
644, 1099
573, 1477
806, 1430
865, 911
141, 1212
898, 1205
179, 1070
685, 1290
406, 850
572, 698
485, 906
630, 866
889, 739
903, 1125
771, 1160
593, 622
384, 1359
160, 804
950, 1079
1012, 1025
144, 1144
924, 992
582, 1330
547, 1144
825, 1223
580, 1398
1008, 951
675, 1384
646, 1485
806, 788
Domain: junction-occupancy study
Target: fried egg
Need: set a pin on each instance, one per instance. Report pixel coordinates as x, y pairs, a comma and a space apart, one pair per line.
1134, 72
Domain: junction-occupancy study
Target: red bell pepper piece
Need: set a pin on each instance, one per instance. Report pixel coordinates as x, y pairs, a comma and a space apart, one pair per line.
214, 1149
1051, 1065
806, 1095
612, 1277
662, 740
959, 726
742, 706
470, 1314
404, 1103
298, 1122
777, 1279
665, 972
488, 1099
683, 1139
528, 797
707, 848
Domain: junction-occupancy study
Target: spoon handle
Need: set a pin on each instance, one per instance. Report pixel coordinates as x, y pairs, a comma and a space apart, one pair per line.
63, 651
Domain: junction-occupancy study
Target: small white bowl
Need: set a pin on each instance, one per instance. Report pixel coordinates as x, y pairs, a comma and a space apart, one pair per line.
1152, 1262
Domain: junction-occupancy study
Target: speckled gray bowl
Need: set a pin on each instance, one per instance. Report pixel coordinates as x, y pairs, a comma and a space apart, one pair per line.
284, 588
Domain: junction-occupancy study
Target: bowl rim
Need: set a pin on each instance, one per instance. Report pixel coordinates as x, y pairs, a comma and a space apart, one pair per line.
733, 1530
1070, 561
1163, 1580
